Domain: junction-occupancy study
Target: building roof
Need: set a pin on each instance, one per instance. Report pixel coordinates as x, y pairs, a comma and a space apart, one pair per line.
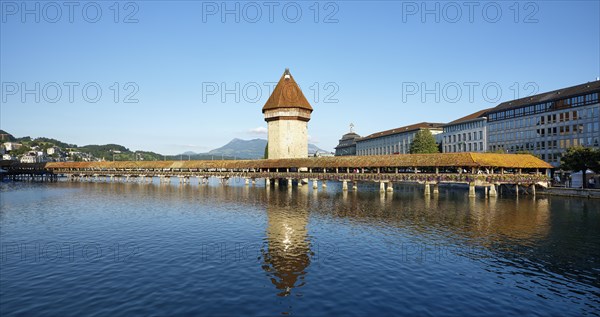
287, 94
398, 160
350, 136
408, 128
475, 115
551, 95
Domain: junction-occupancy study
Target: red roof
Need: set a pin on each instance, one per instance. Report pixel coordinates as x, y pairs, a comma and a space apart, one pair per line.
287, 94
474, 115
551, 95
408, 128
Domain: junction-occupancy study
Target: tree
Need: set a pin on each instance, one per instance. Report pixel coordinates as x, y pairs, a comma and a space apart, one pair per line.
20, 151
423, 143
266, 155
580, 158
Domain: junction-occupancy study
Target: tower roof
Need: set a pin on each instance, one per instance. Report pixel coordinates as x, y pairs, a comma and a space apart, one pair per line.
287, 94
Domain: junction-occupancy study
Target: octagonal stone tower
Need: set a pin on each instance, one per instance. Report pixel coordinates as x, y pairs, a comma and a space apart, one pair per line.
287, 113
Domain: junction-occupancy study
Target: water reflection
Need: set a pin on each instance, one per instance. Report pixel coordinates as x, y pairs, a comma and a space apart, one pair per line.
544, 247
286, 253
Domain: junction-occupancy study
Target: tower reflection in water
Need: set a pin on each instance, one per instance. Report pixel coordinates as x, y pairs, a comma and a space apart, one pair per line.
286, 251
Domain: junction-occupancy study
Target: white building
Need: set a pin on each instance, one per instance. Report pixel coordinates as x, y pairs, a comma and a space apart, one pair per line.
34, 157
29, 159
547, 124
395, 141
467, 134
53, 150
10, 146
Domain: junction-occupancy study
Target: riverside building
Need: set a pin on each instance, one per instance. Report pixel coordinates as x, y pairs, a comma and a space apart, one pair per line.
395, 141
347, 144
547, 124
467, 134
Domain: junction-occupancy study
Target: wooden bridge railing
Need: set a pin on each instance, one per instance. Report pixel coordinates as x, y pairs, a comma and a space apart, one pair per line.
368, 177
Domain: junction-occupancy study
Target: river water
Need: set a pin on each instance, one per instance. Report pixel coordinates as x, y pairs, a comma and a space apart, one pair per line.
127, 249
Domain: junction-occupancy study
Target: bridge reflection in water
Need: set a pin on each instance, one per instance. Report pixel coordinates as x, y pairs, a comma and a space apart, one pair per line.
500, 232
524, 230
469, 248
474, 229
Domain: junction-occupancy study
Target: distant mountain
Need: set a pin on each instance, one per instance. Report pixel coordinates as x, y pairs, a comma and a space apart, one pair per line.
247, 149
235, 149
312, 149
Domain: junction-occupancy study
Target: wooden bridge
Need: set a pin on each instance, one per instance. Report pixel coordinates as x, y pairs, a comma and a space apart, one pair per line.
475, 169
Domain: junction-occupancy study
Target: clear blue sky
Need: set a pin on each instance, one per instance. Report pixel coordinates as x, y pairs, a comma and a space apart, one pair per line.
373, 50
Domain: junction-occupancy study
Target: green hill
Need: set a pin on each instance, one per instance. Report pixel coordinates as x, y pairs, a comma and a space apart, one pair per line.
6, 137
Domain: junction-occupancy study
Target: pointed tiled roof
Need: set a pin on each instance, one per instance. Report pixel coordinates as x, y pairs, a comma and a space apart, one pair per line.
287, 94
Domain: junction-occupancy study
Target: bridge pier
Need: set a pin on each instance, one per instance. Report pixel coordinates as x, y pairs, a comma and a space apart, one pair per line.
246, 182
381, 187
436, 190
471, 189
427, 189
492, 191
267, 182
289, 183
324, 183
315, 184
390, 187
355, 186
533, 189
345, 185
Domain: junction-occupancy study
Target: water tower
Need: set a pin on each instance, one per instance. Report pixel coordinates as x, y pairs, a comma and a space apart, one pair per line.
287, 113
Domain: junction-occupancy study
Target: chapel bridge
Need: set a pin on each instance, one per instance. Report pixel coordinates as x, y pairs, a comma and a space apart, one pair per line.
476, 169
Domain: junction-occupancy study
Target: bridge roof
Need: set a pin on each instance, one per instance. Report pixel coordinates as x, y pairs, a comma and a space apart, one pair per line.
401, 160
